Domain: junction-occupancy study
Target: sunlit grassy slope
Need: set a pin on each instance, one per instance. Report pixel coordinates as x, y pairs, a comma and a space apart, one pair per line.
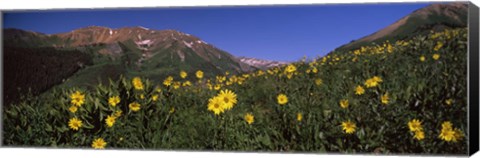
397, 97
156, 67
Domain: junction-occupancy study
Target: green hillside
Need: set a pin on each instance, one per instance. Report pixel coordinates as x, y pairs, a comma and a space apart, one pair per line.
399, 97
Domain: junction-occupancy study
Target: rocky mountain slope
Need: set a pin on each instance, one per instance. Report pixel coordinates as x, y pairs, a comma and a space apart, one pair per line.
435, 17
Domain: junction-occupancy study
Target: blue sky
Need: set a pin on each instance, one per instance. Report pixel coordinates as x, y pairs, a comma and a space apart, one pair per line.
283, 33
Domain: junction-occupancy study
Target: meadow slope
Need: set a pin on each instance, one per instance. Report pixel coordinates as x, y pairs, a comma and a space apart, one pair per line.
395, 97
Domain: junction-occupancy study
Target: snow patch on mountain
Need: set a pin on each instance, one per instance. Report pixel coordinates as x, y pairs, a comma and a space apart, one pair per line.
189, 45
147, 42
200, 41
144, 45
144, 28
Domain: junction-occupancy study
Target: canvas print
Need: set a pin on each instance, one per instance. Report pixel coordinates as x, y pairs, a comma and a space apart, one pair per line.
374, 78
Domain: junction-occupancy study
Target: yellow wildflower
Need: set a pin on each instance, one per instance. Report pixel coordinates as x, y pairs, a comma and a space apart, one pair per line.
344, 103
137, 83
299, 117
357, 52
438, 46
415, 125
389, 48
436, 56
377, 79
183, 74
359, 90
158, 89
217, 87
449, 101
249, 118
448, 133
348, 127
134, 106
318, 81
229, 98
215, 105
385, 99
168, 81
155, 97
282, 99
422, 58
113, 101
110, 120
186, 83
176, 84
419, 135
77, 98
75, 123
118, 113
73, 109
447, 125
371, 83
290, 68
199, 74
99, 143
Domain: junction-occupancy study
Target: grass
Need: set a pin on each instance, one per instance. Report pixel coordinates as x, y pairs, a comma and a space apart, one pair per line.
432, 91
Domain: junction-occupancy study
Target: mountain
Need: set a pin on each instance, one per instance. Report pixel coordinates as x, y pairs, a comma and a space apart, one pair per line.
96, 54
435, 17
149, 43
260, 63
141, 49
22, 38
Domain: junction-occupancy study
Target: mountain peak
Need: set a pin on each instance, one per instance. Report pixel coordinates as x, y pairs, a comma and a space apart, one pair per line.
441, 6
446, 9
93, 27
15, 30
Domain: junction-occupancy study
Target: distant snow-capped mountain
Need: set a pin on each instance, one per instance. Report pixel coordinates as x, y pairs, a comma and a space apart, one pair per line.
260, 63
